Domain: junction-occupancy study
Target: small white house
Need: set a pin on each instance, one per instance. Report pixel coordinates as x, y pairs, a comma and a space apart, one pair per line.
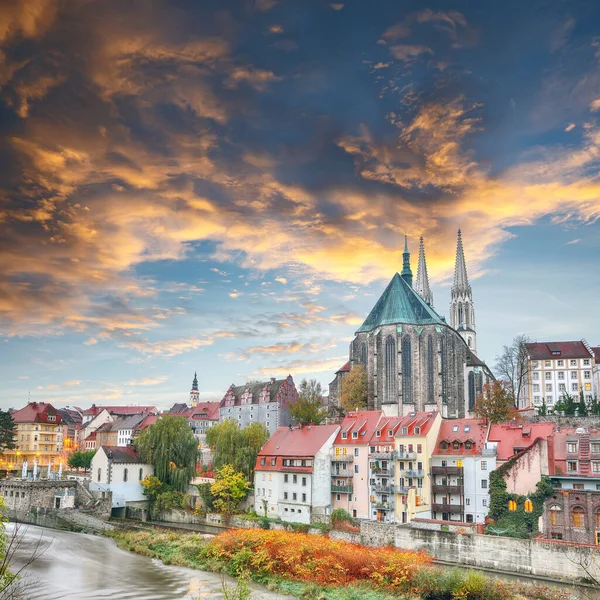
120, 471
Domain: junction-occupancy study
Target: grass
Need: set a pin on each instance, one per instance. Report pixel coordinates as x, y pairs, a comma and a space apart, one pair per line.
317, 568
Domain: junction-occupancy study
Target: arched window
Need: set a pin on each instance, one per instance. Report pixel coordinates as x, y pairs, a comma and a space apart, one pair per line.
471, 390
390, 370
430, 370
578, 517
141, 475
407, 385
363, 355
470, 342
125, 473
444, 369
460, 315
467, 317
99, 474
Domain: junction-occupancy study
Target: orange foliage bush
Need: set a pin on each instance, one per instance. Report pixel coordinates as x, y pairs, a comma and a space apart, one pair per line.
315, 558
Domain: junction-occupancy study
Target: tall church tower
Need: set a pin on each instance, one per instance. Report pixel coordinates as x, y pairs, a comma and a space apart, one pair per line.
422, 284
462, 313
194, 394
406, 271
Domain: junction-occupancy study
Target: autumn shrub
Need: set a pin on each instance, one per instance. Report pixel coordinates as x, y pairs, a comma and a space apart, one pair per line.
314, 559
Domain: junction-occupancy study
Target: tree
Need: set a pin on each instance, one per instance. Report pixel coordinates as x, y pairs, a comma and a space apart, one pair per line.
8, 436
513, 366
81, 459
566, 405
495, 404
582, 407
354, 389
308, 407
543, 411
229, 489
236, 447
170, 446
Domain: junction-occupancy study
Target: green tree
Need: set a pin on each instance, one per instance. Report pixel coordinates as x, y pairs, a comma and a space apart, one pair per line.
543, 411
354, 389
308, 407
228, 490
495, 404
81, 459
595, 407
582, 407
236, 447
566, 405
170, 446
8, 436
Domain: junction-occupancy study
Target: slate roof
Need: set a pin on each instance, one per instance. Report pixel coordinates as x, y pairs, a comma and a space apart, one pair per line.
544, 350
399, 304
256, 389
122, 454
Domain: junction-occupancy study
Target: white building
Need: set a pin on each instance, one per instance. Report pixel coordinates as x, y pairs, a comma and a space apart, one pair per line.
556, 369
292, 479
120, 471
460, 466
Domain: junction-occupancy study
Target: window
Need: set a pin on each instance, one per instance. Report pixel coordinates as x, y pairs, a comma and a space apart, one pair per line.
419, 448
270, 492
468, 445
572, 447
548, 375
430, 368
390, 370
597, 520
578, 517
285, 478
417, 430
535, 376
547, 363
378, 433
455, 446
574, 387
344, 435
595, 467
262, 462
304, 481
294, 496
338, 497
405, 431
407, 391
285, 495
273, 461
555, 515
587, 374
355, 435
573, 374
141, 475
573, 363
355, 451
595, 447
455, 428
578, 486
561, 374
363, 355
560, 363
356, 468
467, 501
586, 362
548, 387
444, 445
303, 497
484, 465
99, 474
572, 466
484, 484
484, 502
294, 478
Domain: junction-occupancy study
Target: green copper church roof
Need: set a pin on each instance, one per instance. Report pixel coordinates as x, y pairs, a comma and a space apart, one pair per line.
399, 303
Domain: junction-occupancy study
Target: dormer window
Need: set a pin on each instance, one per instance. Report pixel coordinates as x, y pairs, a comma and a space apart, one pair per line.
468, 445
345, 435
417, 430
455, 445
355, 435
444, 445
390, 433
378, 433
405, 431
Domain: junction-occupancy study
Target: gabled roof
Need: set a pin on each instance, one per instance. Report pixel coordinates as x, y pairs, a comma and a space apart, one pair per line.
272, 387
120, 410
37, 412
205, 410
423, 420
122, 454
70, 416
400, 303
178, 408
385, 425
364, 420
149, 420
344, 368
546, 350
296, 442
461, 430
514, 437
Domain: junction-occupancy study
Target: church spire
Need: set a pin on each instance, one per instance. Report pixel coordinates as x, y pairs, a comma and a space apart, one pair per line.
422, 283
462, 312
406, 272
194, 394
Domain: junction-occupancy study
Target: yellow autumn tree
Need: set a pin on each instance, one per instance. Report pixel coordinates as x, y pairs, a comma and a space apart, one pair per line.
354, 389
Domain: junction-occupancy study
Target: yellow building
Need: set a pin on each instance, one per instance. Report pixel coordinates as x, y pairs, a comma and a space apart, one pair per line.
415, 439
38, 438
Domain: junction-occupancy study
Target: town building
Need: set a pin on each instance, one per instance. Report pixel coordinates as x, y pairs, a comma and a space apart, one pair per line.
415, 439
573, 516
460, 467
292, 478
265, 402
350, 462
119, 470
71, 423
555, 369
596, 372
90, 425
37, 429
122, 411
415, 361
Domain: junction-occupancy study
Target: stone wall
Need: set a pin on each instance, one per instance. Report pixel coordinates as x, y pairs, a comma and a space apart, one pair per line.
20, 495
587, 422
436, 525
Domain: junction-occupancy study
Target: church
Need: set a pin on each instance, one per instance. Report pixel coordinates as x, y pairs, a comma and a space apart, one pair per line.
416, 361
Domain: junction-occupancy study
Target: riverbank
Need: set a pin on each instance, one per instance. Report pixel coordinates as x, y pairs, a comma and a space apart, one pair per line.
317, 568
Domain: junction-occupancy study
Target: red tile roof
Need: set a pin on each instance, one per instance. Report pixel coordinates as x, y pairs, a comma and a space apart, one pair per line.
122, 454
385, 426
344, 369
461, 430
558, 456
149, 420
37, 412
423, 420
363, 422
514, 437
297, 442
120, 410
545, 350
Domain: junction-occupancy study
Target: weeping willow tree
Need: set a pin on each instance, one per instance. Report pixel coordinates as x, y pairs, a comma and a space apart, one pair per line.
169, 445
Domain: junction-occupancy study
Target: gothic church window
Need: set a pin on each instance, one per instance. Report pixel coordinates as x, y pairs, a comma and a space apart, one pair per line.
407, 383
363, 355
430, 368
471, 390
390, 369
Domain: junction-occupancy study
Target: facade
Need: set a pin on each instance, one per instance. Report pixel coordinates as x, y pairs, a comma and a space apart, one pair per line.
350, 463
573, 516
558, 368
106, 434
460, 468
90, 426
265, 403
71, 423
415, 438
596, 372
38, 427
122, 411
292, 478
414, 360
120, 471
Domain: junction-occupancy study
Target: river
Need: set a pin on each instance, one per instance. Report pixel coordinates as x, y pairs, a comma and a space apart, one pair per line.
88, 567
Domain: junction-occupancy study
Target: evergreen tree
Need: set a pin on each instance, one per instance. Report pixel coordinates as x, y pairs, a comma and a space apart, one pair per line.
8, 436
543, 411
582, 408
170, 446
566, 405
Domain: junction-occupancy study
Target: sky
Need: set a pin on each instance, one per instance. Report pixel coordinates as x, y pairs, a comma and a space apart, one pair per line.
224, 186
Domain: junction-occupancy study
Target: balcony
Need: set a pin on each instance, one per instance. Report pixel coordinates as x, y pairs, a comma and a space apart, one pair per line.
383, 472
446, 489
446, 470
341, 474
383, 506
448, 508
400, 489
342, 489
406, 455
383, 489
341, 457
382, 455
413, 473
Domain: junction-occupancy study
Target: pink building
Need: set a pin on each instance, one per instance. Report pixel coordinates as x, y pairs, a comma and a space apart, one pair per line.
350, 462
